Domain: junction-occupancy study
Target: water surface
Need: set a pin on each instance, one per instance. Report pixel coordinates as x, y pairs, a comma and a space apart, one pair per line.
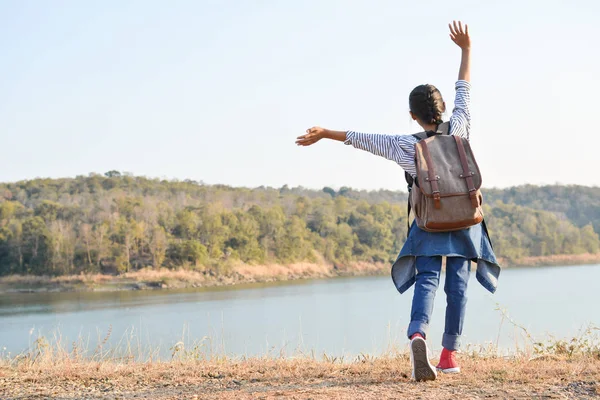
337, 316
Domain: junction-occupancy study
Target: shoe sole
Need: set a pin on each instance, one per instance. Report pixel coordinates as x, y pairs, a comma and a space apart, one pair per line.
455, 370
422, 369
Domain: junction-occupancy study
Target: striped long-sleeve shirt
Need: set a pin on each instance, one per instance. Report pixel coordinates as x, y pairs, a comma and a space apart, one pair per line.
401, 148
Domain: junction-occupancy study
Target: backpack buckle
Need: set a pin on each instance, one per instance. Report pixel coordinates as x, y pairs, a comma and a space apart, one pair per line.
474, 200
437, 203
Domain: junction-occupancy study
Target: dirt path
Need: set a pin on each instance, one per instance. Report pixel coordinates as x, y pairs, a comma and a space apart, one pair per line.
301, 379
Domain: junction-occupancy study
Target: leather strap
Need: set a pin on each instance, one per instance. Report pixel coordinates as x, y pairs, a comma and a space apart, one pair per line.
443, 128
408, 216
467, 174
432, 178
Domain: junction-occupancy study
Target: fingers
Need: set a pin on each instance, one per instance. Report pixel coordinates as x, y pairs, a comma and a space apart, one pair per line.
309, 138
314, 129
306, 141
456, 28
304, 137
310, 132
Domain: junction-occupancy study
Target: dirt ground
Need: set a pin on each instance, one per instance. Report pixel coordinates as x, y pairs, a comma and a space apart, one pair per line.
381, 378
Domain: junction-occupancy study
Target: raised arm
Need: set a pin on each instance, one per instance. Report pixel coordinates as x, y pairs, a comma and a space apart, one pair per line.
460, 121
460, 36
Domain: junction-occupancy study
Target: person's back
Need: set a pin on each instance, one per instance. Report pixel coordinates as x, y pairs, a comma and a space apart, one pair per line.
420, 259
445, 195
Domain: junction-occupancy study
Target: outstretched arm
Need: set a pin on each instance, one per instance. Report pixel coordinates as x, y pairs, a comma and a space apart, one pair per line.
316, 133
460, 36
397, 148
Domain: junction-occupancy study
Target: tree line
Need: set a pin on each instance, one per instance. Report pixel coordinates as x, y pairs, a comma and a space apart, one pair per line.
114, 223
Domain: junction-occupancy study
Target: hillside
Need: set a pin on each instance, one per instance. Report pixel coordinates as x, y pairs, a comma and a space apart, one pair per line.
119, 223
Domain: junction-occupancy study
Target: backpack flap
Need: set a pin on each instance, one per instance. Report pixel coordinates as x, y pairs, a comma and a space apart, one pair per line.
442, 129
440, 168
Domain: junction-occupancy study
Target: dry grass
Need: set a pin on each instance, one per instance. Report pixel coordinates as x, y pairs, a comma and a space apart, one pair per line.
301, 378
556, 369
306, 270
34, 280
164, 274
149, 278
283, 272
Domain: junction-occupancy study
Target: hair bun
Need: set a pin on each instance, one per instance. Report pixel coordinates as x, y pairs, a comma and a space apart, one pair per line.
426, 104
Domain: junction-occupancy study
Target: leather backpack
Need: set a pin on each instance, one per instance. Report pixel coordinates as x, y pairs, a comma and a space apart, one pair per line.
446, 194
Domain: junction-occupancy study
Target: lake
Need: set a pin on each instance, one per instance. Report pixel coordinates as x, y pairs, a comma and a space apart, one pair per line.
341, 316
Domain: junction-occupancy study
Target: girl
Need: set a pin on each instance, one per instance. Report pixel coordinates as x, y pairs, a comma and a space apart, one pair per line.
420, 259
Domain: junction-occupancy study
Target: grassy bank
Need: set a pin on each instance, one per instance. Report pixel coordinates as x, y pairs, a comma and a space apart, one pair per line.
184, 278
237, 274
89, 369
387, 377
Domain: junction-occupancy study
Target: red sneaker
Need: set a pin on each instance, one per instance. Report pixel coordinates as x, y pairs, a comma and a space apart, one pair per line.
448, 364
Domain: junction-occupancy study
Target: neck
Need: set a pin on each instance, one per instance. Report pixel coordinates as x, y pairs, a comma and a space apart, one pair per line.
429, 127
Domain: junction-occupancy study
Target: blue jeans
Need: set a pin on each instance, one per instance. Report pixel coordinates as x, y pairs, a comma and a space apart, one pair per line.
427, 281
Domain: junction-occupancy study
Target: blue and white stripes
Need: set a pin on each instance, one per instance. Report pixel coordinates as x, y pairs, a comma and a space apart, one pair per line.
401, 148
460, 120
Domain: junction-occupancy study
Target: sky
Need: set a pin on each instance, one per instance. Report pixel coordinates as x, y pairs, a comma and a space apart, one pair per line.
217, 91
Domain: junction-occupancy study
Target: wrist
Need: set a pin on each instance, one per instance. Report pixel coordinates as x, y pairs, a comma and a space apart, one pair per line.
334, 135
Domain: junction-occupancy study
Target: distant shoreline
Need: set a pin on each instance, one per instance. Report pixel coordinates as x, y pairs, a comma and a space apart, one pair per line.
164, 279
554, 260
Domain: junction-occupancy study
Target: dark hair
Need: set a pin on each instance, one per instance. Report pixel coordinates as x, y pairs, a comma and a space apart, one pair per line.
426, 103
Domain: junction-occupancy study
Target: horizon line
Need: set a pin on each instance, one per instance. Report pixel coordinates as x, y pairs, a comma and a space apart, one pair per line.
334, 187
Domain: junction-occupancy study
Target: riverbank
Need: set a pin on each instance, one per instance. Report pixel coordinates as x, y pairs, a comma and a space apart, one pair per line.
156, 279
152, 279
549, 377
559, 259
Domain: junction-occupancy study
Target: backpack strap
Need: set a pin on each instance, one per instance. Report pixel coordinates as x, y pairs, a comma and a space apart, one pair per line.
422, 135
408, 208
442, 129
467, 174
431, 177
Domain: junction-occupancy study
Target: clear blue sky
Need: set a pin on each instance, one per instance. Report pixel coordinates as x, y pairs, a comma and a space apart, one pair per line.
218, 90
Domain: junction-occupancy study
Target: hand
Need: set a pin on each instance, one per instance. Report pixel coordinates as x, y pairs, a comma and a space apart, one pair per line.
313, 135
459, 35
